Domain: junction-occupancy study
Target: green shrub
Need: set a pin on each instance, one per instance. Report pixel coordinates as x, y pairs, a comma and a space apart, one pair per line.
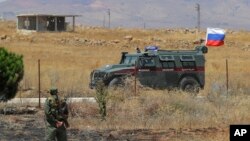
101, 98
11, 73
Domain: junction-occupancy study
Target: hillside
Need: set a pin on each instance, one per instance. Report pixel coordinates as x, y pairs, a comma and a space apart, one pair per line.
147, 13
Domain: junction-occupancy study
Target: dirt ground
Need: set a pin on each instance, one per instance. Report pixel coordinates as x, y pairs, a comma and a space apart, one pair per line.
31, 127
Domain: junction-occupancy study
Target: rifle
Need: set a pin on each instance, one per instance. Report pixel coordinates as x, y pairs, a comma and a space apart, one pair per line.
63, 112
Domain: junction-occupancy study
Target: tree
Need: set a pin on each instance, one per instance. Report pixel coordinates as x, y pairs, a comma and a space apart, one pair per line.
11, 73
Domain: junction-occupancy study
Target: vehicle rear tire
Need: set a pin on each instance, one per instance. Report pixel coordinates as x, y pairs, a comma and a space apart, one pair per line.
189, 84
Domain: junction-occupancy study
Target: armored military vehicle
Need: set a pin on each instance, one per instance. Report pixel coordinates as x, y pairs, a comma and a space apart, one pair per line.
183, 69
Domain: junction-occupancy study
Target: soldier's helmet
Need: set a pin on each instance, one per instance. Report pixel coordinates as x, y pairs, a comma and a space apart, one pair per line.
53, 91
53, 99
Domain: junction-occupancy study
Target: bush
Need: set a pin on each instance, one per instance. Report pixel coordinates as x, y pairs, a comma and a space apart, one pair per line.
101, 98
11, 73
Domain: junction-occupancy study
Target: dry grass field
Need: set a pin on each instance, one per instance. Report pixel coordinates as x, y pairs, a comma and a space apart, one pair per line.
68, 58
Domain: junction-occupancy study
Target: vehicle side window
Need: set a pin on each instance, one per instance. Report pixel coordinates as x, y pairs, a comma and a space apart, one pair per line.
132, 61
127, 59
168, 64
188, 64
147, 62
166, 58
187, 58
188, 61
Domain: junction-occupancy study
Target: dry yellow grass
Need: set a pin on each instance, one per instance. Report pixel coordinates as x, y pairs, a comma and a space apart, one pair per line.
68, 58
206, 118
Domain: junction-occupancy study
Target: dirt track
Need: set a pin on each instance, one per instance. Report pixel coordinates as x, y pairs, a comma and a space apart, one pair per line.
29, 127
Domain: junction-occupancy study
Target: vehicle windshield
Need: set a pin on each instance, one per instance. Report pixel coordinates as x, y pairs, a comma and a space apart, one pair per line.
129, 60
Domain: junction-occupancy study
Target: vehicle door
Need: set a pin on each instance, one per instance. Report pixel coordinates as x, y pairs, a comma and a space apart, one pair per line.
147, 71
169, 73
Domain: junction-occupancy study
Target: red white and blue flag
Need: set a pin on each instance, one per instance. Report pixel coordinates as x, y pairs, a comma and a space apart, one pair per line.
215, 37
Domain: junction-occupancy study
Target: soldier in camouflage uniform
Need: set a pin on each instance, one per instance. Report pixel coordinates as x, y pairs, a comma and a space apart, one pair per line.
56, 113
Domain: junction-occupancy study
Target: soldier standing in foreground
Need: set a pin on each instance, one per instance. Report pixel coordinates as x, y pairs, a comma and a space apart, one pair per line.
56, 114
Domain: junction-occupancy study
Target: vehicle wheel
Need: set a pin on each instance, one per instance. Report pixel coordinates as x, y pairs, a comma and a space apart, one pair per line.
189, 84
116, 82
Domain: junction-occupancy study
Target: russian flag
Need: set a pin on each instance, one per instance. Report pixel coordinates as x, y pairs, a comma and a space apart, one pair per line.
215, 37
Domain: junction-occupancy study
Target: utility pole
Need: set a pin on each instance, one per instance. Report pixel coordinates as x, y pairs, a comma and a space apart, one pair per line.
39, 84
197, 7
109, 16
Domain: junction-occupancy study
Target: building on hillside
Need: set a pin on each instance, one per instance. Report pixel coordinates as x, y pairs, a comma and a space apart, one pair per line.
45, 22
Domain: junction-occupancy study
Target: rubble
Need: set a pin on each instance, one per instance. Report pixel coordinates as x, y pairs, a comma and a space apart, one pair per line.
128, 38
3, 37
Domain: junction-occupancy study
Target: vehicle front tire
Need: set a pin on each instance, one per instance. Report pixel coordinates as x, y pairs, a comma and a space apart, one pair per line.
115, 82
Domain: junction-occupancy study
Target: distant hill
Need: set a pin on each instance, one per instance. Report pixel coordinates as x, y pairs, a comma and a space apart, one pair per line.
139, 13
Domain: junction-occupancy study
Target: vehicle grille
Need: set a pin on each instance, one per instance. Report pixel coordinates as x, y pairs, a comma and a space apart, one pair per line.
98, 75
